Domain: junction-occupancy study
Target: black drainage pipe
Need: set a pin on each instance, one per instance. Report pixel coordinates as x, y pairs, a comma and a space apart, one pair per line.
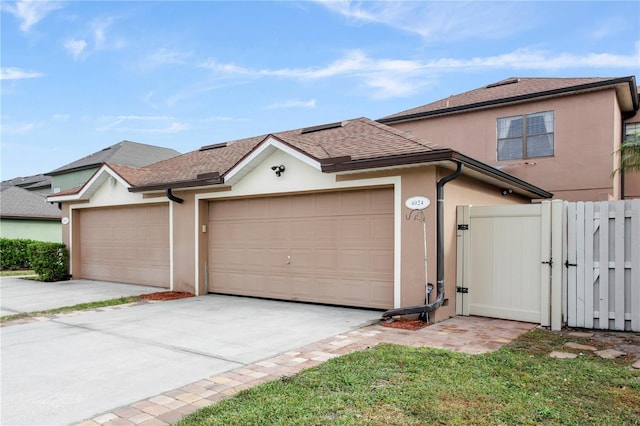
173, 197
430, 307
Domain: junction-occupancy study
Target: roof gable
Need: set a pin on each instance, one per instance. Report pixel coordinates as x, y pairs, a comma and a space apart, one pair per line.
353, 139
521, 89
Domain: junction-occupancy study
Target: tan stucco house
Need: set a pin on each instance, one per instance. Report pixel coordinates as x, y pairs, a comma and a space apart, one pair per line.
314, 214
557, 133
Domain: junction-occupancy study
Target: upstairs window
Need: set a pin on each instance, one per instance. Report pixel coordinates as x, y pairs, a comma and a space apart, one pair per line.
631, 132
525, 136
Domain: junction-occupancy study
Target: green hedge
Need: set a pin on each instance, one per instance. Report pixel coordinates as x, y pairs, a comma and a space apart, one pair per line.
49, 260
14, 254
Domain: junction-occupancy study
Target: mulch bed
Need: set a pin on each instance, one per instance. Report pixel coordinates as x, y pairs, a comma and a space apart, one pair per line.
166, 295
405, 324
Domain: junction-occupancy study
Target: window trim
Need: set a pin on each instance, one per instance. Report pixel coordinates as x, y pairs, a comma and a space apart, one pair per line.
524, 135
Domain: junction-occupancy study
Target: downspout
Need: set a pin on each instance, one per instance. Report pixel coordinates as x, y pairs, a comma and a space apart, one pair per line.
173, 197
430, 307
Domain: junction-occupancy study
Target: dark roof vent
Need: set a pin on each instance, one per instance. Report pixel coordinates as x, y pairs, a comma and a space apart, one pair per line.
214, 146
503, 82
321, 127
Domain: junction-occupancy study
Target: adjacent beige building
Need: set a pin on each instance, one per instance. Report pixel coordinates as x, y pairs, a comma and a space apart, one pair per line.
560, 134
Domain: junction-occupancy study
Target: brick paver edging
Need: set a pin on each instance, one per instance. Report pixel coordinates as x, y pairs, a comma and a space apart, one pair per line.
472, 335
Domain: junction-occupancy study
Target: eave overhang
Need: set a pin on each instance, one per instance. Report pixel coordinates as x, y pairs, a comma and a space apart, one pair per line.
202, 180
473, 167
625, 88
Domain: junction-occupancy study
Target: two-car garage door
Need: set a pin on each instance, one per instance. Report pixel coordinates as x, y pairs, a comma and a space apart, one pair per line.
123, 244
333, 247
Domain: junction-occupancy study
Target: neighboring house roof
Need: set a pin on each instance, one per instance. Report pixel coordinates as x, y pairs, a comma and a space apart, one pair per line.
30, 182
521, 89
125, 152
18, 203
358, 144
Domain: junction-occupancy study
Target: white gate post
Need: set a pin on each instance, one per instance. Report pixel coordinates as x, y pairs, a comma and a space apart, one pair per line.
557, 269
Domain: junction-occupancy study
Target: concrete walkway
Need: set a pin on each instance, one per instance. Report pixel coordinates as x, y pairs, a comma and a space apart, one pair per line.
473, 335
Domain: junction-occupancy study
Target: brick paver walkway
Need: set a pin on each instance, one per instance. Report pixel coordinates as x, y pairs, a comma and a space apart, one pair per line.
473, 335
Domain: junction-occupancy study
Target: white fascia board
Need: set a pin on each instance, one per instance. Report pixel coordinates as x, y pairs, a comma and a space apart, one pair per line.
91, 185
265, 149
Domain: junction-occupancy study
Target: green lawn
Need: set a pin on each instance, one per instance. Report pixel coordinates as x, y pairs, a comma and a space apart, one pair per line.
397, 385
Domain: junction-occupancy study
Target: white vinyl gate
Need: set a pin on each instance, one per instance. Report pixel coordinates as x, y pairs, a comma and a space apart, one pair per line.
505, 262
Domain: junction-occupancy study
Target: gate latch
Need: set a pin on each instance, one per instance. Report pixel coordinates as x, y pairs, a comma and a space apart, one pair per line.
464, 290
548, 262
567, 264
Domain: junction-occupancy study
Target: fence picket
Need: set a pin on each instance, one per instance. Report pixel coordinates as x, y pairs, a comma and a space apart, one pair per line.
603, 240
588, 267
619, 219
573, 318
579, 269
634, 236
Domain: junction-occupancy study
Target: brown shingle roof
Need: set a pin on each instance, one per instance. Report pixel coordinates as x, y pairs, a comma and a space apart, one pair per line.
359, 138
509, 90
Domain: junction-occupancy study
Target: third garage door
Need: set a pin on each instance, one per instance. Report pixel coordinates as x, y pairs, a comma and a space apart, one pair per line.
334, 247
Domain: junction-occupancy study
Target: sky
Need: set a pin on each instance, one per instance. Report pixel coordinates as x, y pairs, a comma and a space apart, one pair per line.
79, 76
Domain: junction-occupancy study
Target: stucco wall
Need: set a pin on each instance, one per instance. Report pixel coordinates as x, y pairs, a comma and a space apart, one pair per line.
71, 180
587, 128
31, 229
189, 240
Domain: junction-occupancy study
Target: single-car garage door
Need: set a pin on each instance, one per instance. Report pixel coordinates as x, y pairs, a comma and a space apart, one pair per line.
124, 244
333, 247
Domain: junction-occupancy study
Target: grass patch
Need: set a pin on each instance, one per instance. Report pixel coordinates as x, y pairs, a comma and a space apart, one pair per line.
67, 309
18, 272
398, 385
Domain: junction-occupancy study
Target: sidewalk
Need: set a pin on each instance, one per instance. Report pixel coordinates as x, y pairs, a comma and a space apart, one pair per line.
473, 335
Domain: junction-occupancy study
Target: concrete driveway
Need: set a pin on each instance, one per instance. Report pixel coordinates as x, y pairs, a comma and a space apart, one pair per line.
20, 295
68, 368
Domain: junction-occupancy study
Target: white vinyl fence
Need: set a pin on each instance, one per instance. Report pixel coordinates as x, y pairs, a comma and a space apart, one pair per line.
601, 280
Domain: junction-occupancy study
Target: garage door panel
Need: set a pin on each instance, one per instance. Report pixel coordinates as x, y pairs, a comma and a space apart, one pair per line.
327, 248
125, 244
354, 261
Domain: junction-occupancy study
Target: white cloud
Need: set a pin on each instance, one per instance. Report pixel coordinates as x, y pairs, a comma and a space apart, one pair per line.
94, 38
142, 124
30, 12
225, 68
75, 47
293, 103
403, 77
11, 73
214, 118
438, 20
60, 117
17, 129
164, 56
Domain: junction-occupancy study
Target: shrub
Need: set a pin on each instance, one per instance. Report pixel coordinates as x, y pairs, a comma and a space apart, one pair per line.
49, 260
14, 254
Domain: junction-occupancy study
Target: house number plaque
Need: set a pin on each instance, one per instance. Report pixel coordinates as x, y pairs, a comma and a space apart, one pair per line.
417, 203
